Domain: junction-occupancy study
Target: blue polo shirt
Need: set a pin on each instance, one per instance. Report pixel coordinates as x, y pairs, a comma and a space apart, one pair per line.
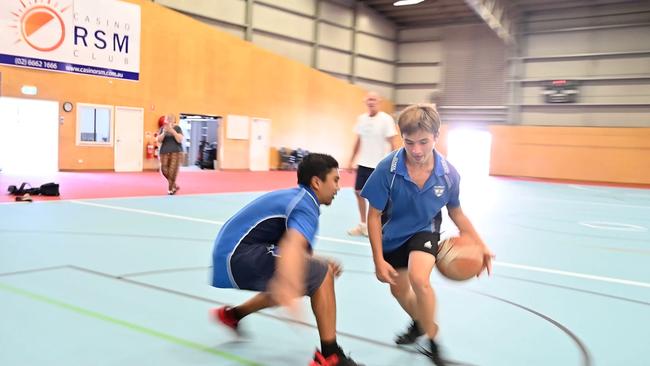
407, 209
263, 222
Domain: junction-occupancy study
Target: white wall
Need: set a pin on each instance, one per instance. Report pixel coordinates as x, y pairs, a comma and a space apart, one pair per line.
606, 49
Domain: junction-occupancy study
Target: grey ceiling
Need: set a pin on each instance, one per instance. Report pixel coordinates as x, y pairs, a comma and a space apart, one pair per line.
442, 12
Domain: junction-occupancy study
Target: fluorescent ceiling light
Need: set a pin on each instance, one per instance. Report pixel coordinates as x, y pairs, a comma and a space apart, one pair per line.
406, 2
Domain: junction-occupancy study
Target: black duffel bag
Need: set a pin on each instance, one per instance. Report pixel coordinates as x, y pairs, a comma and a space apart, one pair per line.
49, 189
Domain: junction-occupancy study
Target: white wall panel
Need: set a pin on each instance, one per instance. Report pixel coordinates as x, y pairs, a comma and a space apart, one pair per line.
295, 51
589, 41
418, 74
335, 13
334, 61
233, 11
371, 22
234, 30
622, 66
612, 14
375, 47
277, 21
622, 39
375, 70
410, 96
384, 91
307, 7
550, 44
555, 69
419, 52
336, 37
421, 34
586, 117
340, 77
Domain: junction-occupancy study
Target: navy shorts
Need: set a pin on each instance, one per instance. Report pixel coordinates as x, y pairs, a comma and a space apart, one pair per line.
252, 266
424, 241
363, 173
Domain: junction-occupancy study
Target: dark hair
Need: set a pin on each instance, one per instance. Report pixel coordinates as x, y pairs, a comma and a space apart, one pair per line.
315, 165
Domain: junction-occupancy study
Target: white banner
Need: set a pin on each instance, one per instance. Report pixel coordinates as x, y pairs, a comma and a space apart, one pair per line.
94, 37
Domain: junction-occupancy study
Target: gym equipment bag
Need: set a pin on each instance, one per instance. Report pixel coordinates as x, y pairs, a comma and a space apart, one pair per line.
49, 189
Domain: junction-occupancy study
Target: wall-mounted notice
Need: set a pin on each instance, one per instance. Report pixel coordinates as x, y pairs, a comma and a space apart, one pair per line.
237, 127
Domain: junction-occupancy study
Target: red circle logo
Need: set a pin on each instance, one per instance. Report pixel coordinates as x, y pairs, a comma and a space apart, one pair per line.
42, 28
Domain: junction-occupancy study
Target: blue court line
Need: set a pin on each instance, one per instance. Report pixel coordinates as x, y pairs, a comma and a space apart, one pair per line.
131, 326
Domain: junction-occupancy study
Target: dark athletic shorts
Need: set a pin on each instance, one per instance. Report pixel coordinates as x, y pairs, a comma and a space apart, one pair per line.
424, 241
363, 173
253, 265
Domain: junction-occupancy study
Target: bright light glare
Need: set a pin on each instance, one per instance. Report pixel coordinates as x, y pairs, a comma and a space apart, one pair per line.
29, 143
469, 151
406, 2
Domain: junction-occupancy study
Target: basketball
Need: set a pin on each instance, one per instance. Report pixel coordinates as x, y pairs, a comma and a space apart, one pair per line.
459, 259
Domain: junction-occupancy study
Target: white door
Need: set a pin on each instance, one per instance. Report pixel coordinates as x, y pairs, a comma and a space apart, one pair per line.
129, 130
260, 144
29, 141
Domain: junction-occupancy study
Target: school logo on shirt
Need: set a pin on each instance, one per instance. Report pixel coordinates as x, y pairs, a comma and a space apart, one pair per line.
438, 190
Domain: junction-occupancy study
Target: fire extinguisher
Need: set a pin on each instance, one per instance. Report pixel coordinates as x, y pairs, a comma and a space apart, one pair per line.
150, 150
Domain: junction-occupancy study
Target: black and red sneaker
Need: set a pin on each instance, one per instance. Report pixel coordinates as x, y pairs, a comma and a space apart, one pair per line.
433, 353
224, 316
336, 359
411, 335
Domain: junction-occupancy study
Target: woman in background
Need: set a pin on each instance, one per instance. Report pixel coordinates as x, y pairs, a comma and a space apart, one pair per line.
170, 138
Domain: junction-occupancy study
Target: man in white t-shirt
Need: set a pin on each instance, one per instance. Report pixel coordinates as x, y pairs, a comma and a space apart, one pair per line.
376, 137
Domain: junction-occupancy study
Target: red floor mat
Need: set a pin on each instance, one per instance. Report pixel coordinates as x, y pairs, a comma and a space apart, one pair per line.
77, 185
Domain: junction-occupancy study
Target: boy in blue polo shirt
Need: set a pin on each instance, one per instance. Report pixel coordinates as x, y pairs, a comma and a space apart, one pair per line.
406, 192
267, 247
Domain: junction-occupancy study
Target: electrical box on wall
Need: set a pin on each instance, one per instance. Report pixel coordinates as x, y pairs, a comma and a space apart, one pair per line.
560, 91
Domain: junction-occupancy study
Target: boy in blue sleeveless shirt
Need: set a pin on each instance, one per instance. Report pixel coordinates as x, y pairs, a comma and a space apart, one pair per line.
267, 247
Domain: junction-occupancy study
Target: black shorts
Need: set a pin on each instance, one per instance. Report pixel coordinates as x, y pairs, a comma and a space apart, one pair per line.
253, 265
424, 241
363, 173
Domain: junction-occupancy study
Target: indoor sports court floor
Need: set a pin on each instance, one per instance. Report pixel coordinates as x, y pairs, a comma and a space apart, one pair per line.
124, 281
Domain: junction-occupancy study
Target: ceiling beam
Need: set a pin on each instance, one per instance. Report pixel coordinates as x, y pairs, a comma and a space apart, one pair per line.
494, 14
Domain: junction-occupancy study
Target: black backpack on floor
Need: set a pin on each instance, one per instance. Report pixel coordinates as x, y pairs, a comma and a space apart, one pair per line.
24, 188
47, 189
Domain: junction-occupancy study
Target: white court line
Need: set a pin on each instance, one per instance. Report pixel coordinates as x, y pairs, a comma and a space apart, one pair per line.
574, 274
146, 212
612, 191
606, 225
590, 189
582, 202
365, 244
187, 218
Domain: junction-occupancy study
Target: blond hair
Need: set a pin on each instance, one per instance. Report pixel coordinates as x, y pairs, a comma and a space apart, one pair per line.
419, 117
171, 118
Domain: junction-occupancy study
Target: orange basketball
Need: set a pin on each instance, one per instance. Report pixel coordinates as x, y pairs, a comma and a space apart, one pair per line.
459, 259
